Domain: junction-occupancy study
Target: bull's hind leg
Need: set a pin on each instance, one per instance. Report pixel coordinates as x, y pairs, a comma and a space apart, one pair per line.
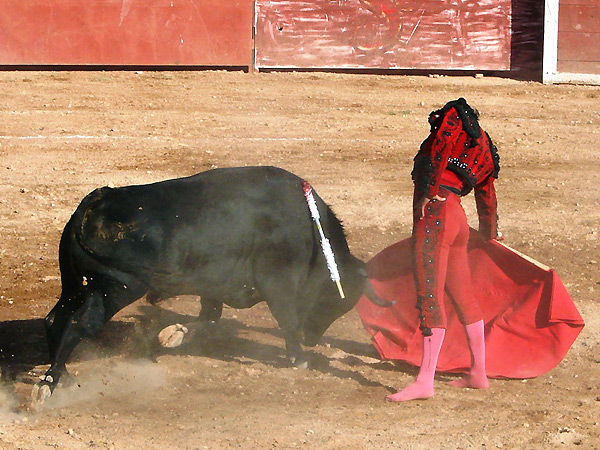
175, 335
75, 317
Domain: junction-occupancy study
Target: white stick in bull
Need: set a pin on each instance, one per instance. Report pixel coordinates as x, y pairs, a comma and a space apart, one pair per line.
325, 245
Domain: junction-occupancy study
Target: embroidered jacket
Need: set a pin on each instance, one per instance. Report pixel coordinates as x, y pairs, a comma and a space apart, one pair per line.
458, 144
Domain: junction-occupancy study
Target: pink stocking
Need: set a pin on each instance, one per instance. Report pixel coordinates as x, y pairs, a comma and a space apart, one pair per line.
476, 378
422, 387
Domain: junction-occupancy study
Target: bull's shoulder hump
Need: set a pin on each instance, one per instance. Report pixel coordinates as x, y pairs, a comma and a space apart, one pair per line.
247, 171
246, 178
229, 175
216, 182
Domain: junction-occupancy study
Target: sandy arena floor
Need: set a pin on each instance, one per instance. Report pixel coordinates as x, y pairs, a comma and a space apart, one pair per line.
63, 134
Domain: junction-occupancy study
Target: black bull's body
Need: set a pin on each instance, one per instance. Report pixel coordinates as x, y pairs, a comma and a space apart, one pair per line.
235, 236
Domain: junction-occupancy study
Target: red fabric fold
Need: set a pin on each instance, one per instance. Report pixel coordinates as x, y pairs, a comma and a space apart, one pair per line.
530, 319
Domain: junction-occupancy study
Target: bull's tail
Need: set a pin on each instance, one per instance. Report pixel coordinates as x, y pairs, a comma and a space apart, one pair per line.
370, 293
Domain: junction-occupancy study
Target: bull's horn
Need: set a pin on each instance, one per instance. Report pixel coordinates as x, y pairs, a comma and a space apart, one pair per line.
374, 298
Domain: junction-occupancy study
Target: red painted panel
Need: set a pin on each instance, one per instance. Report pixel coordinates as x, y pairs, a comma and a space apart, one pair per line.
576, 49
126, 32
412, 34
579, 46
579, 2
579, 36
591, 68
577, 18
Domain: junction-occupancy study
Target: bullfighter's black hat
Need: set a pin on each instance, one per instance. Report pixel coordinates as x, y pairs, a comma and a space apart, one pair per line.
467, 115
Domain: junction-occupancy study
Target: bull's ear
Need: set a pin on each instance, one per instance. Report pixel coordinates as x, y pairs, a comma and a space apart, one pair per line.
374, 298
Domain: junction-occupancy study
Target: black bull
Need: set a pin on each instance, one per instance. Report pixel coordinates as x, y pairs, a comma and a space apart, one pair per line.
236, 236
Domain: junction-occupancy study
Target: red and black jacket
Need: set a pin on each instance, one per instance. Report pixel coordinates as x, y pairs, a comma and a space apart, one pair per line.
458, 144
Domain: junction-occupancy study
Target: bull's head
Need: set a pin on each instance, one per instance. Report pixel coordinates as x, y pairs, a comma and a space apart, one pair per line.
329, 307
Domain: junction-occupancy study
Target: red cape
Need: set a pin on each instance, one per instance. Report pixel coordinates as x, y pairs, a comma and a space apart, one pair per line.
530, 319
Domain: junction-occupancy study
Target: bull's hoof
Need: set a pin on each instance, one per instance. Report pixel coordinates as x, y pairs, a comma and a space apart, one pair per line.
39, 394
173, 335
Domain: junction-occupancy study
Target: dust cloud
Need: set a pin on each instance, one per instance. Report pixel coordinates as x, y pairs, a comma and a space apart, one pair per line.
7, 403
118, 379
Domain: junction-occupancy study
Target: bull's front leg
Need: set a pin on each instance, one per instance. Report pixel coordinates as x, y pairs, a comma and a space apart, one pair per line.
288, 321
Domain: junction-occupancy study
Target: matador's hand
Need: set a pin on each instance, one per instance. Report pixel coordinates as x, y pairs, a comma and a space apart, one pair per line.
420, 206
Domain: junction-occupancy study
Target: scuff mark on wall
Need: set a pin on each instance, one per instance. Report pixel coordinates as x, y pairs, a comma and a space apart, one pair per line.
409, 34
125, 7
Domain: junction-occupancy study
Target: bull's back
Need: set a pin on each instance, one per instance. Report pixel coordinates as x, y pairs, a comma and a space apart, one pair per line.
176, 227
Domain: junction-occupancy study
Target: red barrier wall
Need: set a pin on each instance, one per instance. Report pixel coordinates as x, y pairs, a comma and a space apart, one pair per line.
372, 34
579, 36
126, 32
408, 34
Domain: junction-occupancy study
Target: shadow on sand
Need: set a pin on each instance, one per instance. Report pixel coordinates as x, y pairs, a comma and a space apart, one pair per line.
23, 347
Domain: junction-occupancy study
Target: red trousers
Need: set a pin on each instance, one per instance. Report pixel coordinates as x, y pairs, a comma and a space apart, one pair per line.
440, 262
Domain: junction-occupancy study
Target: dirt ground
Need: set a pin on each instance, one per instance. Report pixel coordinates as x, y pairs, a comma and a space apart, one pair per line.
63, 134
